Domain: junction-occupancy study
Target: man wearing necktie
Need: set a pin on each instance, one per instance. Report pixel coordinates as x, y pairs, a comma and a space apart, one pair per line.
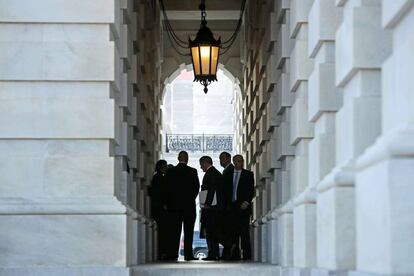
241, 201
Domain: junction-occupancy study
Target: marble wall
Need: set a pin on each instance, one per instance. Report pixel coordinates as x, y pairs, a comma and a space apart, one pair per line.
137, 93
79, 95
326, 86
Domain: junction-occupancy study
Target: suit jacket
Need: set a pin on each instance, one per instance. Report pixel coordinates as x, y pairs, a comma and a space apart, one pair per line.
228, 184
245, 187
213, 183
182, 186
228, 171
157, 192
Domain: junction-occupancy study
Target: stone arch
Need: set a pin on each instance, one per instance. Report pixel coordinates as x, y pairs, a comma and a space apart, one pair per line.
188, 67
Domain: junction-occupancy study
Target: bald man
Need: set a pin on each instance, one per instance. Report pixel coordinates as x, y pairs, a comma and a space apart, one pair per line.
183, 186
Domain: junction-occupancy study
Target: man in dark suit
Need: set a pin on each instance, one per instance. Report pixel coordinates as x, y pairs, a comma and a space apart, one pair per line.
228, 168
226, 216
183, 185
211, 207
241, 200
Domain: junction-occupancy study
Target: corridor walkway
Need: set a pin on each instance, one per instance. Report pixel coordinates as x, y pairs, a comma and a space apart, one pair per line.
200, 268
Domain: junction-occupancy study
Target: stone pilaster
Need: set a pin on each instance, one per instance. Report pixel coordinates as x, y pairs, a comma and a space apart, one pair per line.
361, 46
279, 151
57, 203
136, 91
384, 206
323, 101
285, 235
301, 135
77, 136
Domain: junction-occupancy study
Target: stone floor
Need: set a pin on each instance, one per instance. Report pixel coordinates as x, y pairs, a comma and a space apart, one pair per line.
202, 268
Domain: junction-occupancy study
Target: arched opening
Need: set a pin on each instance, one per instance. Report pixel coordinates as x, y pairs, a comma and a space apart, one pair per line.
199, 123
210, 118
187, 110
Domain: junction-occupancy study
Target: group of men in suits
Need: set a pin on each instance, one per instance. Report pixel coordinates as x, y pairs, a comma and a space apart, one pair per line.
226, 207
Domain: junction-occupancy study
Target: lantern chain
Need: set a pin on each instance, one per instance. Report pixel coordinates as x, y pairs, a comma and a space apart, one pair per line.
226, 45
172, 36
202, 8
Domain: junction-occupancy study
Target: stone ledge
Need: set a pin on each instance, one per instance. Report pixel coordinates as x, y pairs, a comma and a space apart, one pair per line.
397, 144
326, 272
306, 197
58, 11
200, 268
275, 213
361, 273
65, 271
342, 176
53, 206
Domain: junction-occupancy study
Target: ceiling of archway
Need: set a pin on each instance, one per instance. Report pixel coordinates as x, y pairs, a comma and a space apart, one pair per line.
184, 16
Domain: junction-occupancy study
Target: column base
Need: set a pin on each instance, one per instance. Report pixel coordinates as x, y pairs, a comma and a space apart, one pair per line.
384, 219
304, 229
336, 220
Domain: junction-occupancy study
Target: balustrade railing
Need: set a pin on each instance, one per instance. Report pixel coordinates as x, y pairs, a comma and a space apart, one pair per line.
199, 142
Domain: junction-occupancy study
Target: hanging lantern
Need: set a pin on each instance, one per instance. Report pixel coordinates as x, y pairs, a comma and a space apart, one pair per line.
204, 53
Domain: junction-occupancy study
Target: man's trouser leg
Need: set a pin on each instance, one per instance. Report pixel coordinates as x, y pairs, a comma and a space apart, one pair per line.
212, 233
189, 220
245, 234
235, 224
175, 219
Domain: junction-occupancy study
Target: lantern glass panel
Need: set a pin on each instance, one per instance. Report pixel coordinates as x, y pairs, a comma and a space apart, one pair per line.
205, 60
214, 59
196, 60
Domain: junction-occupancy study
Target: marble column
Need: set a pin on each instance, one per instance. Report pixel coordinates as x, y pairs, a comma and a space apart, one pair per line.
58, 212
384, 186
75, 134
361, 46
285, 235
323, 100
273, 239
255, 234
301, 135
280, 151
264, 242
